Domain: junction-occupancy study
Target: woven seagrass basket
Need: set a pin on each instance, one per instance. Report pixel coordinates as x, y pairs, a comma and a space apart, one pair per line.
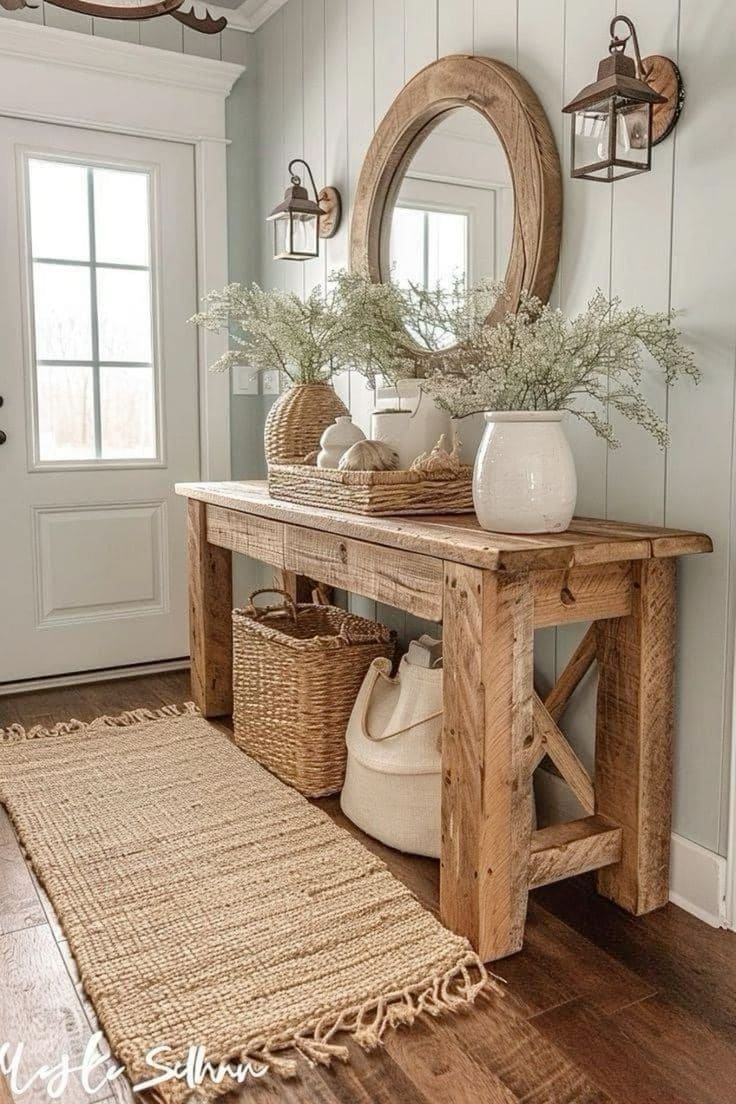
297, 420
297, 670
381, 493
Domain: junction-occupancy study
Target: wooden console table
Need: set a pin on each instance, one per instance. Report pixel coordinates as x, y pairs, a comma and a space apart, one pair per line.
491, 591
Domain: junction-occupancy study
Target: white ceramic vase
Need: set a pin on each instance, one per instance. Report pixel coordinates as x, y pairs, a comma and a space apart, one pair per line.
524, 478
336, 440
415, 428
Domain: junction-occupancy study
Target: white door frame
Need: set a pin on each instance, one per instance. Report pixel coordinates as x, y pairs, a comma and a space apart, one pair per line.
55, 76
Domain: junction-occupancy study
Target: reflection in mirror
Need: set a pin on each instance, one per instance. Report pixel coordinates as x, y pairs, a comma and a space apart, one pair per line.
453, 216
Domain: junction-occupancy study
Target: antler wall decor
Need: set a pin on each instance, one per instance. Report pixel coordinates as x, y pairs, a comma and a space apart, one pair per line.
205, 24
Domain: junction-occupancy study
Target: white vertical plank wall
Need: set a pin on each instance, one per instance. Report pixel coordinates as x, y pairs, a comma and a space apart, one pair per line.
699, 474
663, 239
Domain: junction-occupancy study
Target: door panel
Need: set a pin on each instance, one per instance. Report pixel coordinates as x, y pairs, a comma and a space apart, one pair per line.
100, 393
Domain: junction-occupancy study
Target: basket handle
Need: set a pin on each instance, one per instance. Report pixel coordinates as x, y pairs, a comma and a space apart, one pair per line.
350, 632
374, 673
260, 612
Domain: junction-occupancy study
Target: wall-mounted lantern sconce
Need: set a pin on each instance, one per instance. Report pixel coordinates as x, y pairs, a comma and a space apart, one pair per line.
632, 106
299, 222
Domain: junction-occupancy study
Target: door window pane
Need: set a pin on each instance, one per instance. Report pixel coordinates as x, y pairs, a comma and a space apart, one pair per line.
93, 318
429, 249
407, 246
124, 314
56, 186
66, 421
128, 413
61, 303
447, 236
121, 217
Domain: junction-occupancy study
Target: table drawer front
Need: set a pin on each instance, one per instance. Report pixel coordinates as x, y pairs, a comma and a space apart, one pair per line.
248, 534
406, 580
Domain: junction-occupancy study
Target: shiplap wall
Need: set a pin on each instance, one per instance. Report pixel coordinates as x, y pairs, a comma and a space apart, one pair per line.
328, 70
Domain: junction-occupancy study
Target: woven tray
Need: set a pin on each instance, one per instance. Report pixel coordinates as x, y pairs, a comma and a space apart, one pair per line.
386, 492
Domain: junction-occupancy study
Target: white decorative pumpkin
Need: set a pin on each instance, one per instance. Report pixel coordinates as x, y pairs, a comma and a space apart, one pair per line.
369, 456
336, 440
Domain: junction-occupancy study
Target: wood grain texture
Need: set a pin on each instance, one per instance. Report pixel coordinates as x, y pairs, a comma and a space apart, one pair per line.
40, 1009
564, 850
458, 538
603, 1050
554, 744
20, 906
581, 594
407, 581
558, 965
507, 101
257, 537
7, 835
5, 1097
486, 798
633, 764
210, 609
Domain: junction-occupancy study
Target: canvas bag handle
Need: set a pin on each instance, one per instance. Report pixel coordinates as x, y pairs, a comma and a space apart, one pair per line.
374, 674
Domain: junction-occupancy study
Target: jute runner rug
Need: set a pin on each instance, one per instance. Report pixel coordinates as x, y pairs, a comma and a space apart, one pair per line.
208, 905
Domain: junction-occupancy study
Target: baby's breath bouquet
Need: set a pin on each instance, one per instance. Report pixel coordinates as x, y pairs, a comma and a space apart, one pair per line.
531, 358
305, 339
538, 359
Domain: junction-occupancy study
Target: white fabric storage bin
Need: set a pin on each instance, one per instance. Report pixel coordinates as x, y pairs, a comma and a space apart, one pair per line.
392, 785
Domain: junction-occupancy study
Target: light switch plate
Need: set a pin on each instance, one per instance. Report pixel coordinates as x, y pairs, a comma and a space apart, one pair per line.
245, 380
271, 383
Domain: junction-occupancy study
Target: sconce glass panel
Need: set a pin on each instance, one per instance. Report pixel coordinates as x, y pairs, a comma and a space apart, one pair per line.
295, 236
611, 139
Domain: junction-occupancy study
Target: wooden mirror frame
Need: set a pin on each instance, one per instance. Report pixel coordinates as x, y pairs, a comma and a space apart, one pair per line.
510, 106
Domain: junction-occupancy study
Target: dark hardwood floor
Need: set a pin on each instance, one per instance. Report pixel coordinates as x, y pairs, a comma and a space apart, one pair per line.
601, 1008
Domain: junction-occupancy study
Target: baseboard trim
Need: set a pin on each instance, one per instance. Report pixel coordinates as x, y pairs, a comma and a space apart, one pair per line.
77, 678
697, 875
698, 881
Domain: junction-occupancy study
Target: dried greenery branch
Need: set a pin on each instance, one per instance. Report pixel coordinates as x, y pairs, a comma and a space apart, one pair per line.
534, 358
305, 339
393, 327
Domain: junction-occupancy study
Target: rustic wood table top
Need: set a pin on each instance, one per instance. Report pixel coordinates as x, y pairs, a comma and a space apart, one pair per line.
459, 538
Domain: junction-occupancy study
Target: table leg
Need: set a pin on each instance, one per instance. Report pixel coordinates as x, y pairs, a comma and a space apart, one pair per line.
210, 617
633, 767
298, 587
487, 794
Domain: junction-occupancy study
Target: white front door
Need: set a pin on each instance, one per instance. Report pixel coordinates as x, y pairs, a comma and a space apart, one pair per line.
99, 412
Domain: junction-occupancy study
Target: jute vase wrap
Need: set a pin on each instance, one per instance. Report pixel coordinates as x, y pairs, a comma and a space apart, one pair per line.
297, 420
207, 904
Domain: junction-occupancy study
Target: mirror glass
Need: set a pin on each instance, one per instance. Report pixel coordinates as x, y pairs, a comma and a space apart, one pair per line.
453, 216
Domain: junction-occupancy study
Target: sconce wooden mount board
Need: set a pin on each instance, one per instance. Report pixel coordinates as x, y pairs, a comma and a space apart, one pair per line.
664, 77
205, 24
331, 205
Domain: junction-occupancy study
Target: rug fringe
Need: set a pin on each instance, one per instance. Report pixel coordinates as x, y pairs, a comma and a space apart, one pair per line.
367, 1024
16, 733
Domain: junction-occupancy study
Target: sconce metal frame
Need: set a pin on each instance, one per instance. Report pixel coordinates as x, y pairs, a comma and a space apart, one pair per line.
653, 82
326, 205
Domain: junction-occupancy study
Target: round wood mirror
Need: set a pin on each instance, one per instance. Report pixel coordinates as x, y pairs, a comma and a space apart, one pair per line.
462, 180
